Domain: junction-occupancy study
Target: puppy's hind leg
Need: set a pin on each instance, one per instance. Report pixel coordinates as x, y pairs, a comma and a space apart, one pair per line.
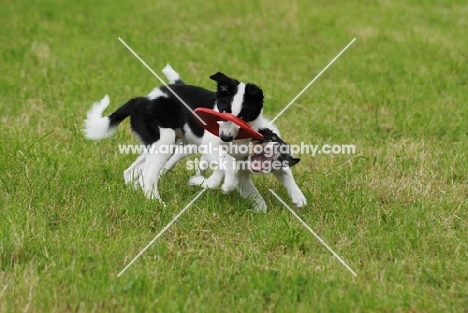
247, 189
154, 163
132, 174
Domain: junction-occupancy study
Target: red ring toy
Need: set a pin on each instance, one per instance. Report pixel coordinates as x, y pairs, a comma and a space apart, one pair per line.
211, 118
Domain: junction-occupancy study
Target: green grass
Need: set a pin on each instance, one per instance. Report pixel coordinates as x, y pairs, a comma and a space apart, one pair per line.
397, 212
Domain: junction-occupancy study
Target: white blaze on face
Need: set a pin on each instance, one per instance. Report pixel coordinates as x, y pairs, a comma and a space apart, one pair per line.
238, 99
228, 129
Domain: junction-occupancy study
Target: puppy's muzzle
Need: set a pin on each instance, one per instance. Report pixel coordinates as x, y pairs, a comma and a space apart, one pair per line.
226, 138
228, 131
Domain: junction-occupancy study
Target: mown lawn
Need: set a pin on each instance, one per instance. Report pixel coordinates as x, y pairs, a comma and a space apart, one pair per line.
396, 211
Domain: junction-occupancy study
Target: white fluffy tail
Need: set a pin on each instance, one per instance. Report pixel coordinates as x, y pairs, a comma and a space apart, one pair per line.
96, 126
171, 74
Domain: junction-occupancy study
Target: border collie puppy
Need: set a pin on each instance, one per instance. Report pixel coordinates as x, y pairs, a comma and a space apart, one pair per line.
239, 176
270, 155
162, 119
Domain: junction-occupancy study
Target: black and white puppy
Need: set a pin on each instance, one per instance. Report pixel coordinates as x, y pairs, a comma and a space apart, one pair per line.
235, 172
270, 155
161, 119
270, 151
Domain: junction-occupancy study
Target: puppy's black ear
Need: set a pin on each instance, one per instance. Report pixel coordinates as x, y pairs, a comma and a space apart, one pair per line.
267, 134
224, 82
293, 161
254, 91
220, 77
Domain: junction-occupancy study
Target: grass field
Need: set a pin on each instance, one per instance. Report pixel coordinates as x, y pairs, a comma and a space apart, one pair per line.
396, 211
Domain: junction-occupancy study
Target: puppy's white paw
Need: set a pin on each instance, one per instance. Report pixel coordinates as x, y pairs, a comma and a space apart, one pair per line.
128, 177
299, 200
200, 181
197, 181
230, 184
258, 203
227, 188
164, 171
132, 176
260, 206
150, 195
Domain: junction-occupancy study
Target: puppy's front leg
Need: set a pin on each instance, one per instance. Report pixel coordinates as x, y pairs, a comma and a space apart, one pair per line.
247, 189
285, 176
231, 176
216, 177
181, 152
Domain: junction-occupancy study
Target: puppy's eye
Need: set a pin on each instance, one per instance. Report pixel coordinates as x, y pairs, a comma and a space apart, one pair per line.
223, 88
224, 109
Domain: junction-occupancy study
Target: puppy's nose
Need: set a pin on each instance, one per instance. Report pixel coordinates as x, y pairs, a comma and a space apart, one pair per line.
226, 138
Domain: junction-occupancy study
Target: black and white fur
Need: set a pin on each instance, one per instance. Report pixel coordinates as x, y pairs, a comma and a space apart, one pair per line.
161, 119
